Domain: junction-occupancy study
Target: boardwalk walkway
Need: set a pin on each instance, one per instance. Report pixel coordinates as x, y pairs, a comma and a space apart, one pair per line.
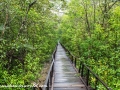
65, 75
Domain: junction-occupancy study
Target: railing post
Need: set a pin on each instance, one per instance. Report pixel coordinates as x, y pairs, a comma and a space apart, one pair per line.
40, 88
82, 70
75, 61
96, 82
87, 79
52, 71
48, 85
50, 77
80, 67
72, 59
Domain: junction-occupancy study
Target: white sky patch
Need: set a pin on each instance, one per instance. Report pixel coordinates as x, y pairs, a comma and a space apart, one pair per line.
57, 9
59, 13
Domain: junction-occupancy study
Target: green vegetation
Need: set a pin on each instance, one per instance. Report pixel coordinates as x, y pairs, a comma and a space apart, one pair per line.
27, 40
91, 30
29, 30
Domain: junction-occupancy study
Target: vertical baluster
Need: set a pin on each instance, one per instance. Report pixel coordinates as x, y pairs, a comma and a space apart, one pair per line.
39, 88
72, 59
87, 79
50, 77
48, 85
52, 72
82, 70
75, 61
80, 67
96, 83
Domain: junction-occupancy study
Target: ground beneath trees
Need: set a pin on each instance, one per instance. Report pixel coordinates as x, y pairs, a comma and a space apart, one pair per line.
44, 73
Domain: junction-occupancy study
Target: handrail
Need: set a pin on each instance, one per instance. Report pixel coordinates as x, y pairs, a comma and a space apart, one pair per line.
49, 79
81, 71
96, 77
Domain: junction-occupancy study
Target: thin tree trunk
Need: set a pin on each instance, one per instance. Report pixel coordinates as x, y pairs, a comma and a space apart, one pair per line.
86, 19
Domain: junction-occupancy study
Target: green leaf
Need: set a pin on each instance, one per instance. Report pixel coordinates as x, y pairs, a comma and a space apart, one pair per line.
2, 27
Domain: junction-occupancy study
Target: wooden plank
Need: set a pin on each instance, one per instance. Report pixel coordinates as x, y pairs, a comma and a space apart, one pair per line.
70, 88
69, 85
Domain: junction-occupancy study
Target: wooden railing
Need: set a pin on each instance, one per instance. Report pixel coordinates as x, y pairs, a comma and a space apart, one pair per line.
49, 79
48, 82
87, 74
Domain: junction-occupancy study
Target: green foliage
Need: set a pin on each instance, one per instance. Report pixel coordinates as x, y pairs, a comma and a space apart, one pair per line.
27, 40
90, 30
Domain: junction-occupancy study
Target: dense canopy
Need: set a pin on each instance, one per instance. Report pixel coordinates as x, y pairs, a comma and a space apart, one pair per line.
29, 30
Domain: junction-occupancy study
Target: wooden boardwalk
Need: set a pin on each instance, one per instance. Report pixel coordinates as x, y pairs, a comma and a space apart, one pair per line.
65, 75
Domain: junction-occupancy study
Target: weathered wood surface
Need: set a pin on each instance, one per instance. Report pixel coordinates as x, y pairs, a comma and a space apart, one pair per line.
65, 75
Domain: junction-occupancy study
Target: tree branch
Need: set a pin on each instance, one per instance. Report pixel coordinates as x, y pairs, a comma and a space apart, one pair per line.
112, 5
30, 5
